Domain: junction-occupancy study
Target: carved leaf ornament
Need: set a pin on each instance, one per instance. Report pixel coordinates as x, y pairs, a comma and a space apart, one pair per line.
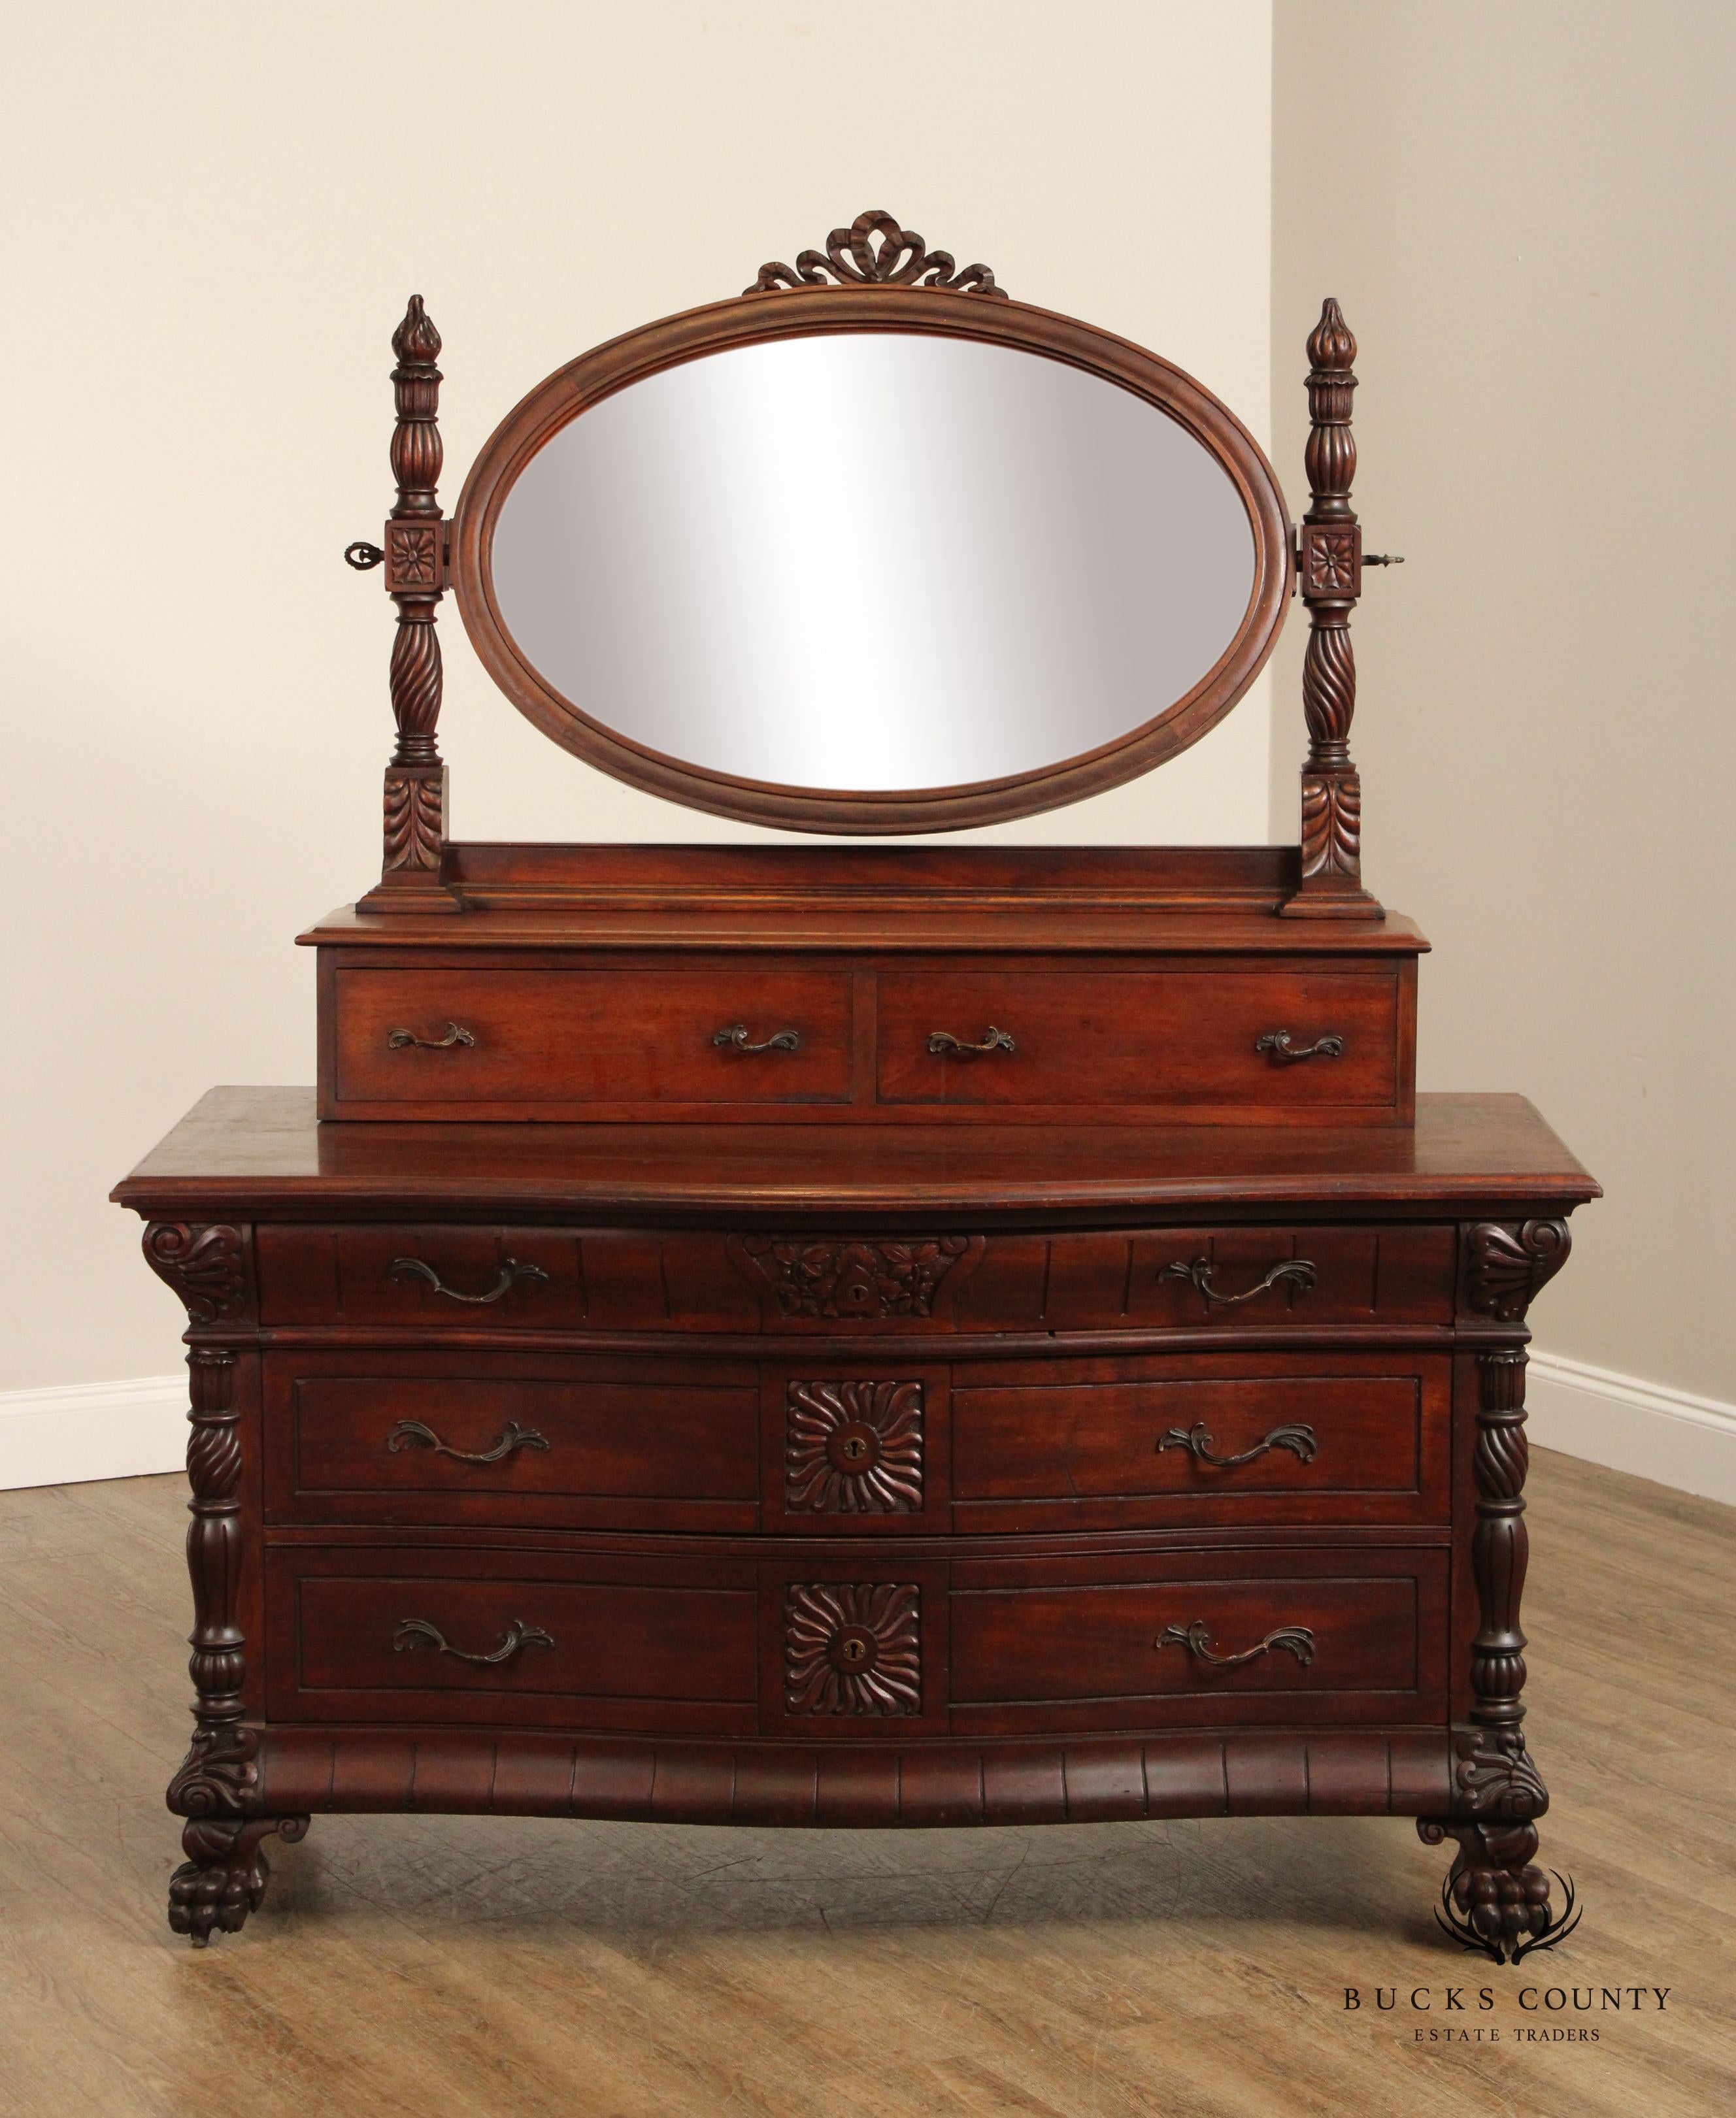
868, 1279
899, 259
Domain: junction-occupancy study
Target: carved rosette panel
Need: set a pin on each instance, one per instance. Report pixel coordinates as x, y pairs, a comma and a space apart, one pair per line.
853, 1448
899, 258
852, 1647
415, 804
1506, 1266
868, 1280
1331, 560
206, 1266
1331, 823
412, 556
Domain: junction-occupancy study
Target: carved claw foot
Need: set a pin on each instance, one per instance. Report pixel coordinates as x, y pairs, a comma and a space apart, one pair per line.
1494, 1899
224, 1875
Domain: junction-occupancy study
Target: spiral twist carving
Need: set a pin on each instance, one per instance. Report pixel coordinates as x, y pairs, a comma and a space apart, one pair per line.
214, 1456
1500, 1547
1328, 692
1503, 1460
415, 687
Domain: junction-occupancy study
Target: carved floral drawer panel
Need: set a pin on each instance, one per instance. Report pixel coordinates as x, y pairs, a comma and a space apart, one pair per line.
634, 1280
512, 1439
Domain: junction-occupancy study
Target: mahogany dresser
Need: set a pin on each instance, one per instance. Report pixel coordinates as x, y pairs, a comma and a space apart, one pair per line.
839, 1334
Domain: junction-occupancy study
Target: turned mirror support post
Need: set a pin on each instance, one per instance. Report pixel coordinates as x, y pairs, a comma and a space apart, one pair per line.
1331, 565
415, 819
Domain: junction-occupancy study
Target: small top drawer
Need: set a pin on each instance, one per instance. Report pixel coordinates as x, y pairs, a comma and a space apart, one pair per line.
1209, 1043
494, 1042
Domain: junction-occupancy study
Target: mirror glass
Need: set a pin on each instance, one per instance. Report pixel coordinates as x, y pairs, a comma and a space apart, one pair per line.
873, 561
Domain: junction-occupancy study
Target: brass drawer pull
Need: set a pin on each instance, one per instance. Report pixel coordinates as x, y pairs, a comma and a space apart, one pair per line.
414, 1632
735, 1038
1278, 1042
510, 1273
1196, 1638
412, 1434
942, 1041
1197, 1441
400, 1040
1299, 1271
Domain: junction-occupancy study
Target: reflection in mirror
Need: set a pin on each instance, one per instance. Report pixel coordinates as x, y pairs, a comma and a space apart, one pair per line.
873, 561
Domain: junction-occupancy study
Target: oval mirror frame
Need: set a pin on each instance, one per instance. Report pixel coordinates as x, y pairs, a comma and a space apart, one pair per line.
809, 310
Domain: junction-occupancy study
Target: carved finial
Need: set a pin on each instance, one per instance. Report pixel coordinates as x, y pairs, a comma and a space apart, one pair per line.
414, 811
900, 259
1332, 344
416, 341
1330, 563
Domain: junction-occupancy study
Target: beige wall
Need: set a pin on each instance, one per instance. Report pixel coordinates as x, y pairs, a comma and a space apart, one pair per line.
214, 214
1527, 213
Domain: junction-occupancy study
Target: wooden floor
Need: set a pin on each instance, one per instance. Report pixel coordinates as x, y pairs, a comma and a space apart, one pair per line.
447, 1967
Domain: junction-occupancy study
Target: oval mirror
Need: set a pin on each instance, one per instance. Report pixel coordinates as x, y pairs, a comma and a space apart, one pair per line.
876, 578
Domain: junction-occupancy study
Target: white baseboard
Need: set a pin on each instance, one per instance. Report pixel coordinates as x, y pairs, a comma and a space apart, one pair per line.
56, 1437
81, 1431
1667, 1435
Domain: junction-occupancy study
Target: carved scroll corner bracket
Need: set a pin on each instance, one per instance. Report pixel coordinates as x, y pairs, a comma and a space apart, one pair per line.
1495, 1777
206, 1265
1507, 1263
900, 258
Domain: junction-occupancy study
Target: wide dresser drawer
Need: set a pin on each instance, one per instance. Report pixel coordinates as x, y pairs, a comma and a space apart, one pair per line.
829, 1447
833, 1645
454, 1276
696, 1037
